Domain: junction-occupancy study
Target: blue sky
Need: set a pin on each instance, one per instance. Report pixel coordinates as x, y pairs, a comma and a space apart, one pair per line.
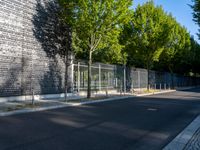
180, 10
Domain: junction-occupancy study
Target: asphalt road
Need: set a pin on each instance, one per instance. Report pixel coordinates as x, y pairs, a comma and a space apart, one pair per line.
130, 124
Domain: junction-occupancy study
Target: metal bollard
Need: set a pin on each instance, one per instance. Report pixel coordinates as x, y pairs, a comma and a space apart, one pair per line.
33, 99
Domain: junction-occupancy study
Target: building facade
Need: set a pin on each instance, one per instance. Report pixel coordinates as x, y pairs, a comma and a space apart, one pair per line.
30, 57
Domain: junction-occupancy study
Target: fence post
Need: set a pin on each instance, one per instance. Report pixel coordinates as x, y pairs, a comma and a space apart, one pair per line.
99, 77
33, 99
107, 83
139, 79
116, 83
72, 77
124, 79
108, 79
160, 87
78, 84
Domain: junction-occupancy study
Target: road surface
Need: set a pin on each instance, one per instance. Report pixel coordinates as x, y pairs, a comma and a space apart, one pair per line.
139, 123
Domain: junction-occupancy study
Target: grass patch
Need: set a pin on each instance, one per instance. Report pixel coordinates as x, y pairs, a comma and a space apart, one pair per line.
22, 106
150, 91
87, 99
145, 91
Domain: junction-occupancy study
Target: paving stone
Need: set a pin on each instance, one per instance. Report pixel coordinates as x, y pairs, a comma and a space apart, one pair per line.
194, 142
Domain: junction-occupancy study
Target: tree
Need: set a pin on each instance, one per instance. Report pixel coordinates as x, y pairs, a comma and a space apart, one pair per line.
196, 13
96, 24
147, 32
177, 48
195, 55
194, 44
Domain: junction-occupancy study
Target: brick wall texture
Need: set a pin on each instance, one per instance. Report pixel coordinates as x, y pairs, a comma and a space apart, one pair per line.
29, 48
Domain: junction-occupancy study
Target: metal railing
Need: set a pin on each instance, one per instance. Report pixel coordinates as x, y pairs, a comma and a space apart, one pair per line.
119, 77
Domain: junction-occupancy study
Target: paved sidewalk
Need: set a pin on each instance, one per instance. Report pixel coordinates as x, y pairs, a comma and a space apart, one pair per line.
16, 107
188, 139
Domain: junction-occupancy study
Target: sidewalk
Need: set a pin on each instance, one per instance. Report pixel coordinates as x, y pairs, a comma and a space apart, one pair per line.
188, 139
17, 107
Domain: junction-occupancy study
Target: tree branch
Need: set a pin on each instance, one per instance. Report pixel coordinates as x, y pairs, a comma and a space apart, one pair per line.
96, 44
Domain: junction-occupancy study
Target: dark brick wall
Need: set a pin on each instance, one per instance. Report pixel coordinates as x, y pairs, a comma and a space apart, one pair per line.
29, 49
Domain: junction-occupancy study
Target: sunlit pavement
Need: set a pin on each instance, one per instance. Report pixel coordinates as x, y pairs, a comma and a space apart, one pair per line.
133, 123
8, 107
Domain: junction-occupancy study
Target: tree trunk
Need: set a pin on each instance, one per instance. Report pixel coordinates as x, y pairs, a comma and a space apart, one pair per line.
89, 74
68, 48
66, 74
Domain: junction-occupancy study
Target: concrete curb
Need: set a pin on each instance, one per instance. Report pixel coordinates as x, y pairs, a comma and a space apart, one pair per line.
187, 88
181, 140
148, 94
28, 110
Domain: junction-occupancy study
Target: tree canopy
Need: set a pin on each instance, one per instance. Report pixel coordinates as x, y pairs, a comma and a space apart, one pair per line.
96, 25
177, 46
110, 31
147, 34
196, 13
194, 45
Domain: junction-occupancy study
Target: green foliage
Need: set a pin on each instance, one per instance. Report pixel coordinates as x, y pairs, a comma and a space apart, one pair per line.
194, 56
146, 35
97, 24
195, 47
155, 39
196, 13
177, 48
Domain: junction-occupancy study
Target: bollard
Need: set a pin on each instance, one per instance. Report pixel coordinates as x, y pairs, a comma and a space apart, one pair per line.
106, 91
165, 86
120, 90
160, 87
33, 100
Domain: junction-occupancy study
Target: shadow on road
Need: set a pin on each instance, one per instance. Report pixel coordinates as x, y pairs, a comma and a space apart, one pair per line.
127, 124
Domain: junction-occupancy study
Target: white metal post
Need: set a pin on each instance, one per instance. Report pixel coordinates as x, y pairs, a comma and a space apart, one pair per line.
108, 79
139, 79
99, 77
72, 76
78, 84
124, 79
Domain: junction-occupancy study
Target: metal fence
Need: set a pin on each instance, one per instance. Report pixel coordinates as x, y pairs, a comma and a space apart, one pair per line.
103, 76
119, 77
